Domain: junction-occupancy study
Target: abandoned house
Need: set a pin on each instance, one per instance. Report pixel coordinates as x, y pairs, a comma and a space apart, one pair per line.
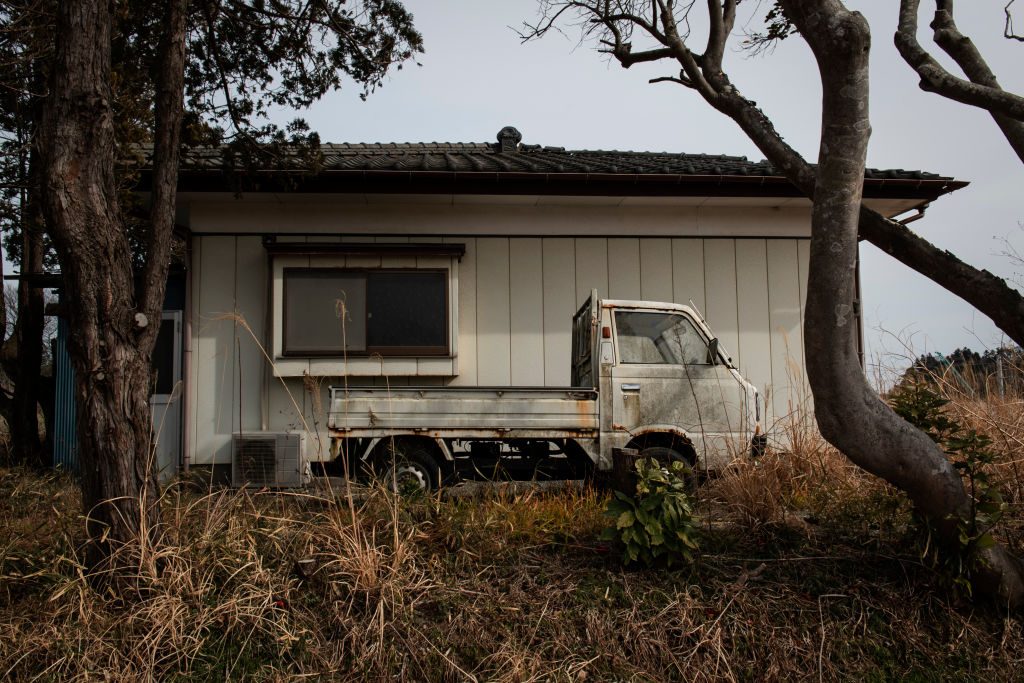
491, 247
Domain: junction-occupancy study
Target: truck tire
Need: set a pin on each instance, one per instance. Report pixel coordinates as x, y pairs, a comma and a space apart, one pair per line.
667, 456
415, 468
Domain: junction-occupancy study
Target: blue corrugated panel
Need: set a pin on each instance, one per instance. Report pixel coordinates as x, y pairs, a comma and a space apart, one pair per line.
65, 429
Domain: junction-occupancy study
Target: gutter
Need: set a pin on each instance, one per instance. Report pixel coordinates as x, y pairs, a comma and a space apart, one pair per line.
524, 182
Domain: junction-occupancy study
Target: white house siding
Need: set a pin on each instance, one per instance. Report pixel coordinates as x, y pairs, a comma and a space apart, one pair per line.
516, 293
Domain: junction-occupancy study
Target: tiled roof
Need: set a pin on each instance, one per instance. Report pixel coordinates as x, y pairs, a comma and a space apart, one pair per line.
508, 166
482, 157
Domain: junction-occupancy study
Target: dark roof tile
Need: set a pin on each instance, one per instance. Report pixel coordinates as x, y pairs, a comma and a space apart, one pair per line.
484, 157
509, 166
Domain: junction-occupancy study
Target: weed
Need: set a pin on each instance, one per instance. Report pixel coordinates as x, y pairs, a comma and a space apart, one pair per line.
655, 524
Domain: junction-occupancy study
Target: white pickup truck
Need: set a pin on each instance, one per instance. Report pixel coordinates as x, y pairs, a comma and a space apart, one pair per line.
645, 375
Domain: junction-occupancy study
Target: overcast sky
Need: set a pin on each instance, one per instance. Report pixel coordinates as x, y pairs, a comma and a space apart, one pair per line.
476, 77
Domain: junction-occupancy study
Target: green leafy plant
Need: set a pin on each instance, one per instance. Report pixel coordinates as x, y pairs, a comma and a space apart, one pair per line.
968, 452
656, 523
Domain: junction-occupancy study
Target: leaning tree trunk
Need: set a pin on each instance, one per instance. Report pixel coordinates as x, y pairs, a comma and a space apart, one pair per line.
849, 412
110, 342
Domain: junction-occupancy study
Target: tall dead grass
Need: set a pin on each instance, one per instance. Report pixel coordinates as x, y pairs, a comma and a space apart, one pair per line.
802, 575
248, 584
505, 587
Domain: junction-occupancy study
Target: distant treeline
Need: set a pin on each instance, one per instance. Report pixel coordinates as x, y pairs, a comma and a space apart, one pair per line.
995, 372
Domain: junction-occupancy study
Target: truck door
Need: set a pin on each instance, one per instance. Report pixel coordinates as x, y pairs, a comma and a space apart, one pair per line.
664, 375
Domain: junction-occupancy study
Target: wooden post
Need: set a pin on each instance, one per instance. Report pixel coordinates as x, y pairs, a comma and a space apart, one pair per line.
623, 474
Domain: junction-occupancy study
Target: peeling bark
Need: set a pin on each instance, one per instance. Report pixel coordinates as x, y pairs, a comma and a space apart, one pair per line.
110, 347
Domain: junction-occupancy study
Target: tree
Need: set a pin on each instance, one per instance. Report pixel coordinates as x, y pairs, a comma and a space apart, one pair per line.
24, 51
849, 413
205, 72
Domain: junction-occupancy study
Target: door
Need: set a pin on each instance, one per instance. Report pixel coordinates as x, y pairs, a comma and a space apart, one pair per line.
664, 377
166, 399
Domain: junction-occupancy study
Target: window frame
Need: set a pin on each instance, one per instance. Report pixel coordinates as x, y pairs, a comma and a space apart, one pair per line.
443, 351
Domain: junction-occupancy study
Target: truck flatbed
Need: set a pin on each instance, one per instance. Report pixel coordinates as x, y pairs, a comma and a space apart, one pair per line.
479, 412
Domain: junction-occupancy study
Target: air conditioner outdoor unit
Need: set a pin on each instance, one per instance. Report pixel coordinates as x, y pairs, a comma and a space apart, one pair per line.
268, 459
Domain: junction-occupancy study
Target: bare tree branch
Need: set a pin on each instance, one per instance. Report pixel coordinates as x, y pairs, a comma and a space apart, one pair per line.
672, 79
1008, 31
935, 78
703, 73
964, 52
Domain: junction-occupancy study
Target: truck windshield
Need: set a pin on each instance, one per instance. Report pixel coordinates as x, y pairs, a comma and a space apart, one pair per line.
659, 338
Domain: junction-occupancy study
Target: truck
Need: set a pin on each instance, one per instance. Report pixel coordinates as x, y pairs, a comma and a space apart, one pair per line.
645, 375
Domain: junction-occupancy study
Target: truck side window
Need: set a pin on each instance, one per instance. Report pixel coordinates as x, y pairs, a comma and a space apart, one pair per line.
659, 338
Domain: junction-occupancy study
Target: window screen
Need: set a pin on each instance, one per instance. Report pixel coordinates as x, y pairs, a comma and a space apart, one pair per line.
324, 311
659, 338
407, 309
390, 312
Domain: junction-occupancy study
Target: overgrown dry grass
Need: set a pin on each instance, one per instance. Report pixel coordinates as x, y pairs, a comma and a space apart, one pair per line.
808, 570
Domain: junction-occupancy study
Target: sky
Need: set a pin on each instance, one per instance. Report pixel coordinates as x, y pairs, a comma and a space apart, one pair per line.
476, 77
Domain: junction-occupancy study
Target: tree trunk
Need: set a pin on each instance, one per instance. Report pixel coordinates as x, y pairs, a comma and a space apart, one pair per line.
25, 409
110, 344
849, 412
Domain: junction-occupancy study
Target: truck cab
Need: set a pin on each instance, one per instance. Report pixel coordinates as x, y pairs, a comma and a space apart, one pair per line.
664, 382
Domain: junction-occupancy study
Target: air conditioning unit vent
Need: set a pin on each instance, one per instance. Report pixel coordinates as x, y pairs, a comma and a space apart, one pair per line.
268, 459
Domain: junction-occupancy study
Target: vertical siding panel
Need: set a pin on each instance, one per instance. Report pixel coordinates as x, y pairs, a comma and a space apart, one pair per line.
623, 268
493, 333
216, 352
656, 269
466, 359
429, 366
286, 404
285, 396
251, 287
752, 302
688, 272
526, 311
720, 293
591, 268
559, 306
784, 311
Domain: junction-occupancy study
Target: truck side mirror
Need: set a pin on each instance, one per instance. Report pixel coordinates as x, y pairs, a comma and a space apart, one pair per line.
713, 351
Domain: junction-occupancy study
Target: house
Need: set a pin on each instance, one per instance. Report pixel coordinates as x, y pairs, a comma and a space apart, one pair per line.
464, 264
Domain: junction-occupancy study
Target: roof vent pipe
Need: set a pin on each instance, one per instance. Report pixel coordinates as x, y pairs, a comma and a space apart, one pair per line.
509, 139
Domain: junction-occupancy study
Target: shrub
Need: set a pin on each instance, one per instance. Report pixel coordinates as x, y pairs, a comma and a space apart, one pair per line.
656, 523
970, 454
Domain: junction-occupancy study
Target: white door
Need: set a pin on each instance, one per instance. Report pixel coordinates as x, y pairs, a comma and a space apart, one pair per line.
166, 399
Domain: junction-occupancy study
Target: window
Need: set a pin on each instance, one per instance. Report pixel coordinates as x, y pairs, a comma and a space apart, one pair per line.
659, 338
335, 311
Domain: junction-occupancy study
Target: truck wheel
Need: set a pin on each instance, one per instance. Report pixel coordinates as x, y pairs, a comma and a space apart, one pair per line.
667, 456
415, 469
